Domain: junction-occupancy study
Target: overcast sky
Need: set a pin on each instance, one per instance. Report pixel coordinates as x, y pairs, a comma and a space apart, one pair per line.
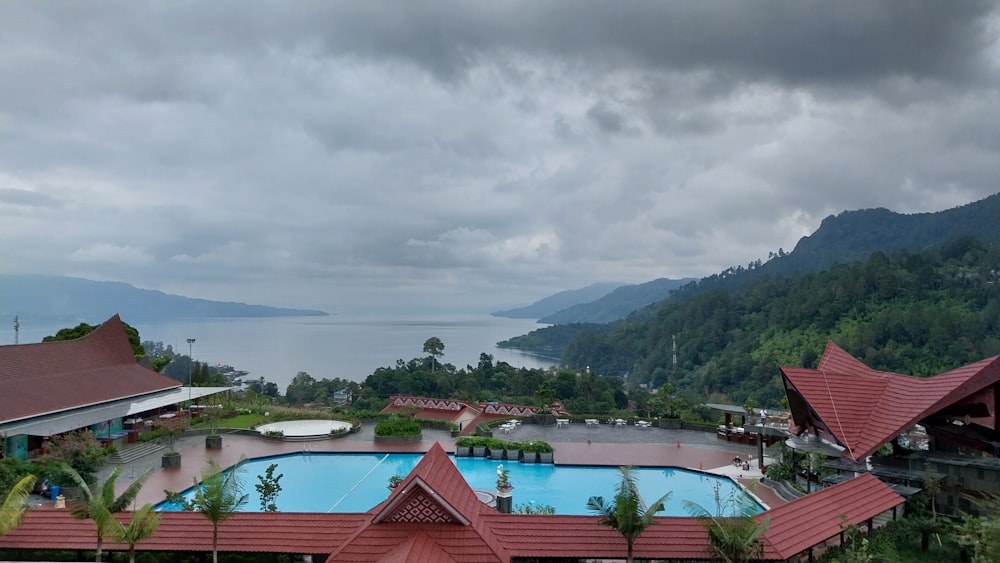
356, 155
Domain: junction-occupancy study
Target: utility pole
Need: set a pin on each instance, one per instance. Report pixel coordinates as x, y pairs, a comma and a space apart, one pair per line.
190, 342
17, 328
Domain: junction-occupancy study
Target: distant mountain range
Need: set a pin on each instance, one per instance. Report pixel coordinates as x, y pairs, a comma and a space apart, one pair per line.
562, 300
851, 236
618, 304
59, 297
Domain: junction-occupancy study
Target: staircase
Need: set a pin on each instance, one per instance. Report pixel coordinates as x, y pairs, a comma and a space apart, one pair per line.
134, 452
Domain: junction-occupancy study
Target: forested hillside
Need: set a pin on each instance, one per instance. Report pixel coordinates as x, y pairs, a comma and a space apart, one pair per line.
915, 313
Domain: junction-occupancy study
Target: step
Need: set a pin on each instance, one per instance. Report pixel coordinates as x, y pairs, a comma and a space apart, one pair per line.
135, 452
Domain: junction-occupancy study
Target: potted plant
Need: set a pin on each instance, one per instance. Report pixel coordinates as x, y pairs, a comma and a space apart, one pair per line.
172, 429
544, 452
529, 454
212, 414
504, 486
455, 429
512, 451
495, 446
463, 446
394, 481
479, 447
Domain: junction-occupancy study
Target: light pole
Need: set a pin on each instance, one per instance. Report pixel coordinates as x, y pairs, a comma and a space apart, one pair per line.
190, 342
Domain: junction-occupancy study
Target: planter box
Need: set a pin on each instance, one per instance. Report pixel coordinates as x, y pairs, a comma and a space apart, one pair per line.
545, 457
530, 457
669, 423
170, 461
496, 454
479, 451
463, 451
213, 442
512, 455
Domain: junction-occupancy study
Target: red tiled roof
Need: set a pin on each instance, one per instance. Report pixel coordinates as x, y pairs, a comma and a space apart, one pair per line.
429, 408
247, 532
434, 503
485, 536
814, 518
48, 377
864, 408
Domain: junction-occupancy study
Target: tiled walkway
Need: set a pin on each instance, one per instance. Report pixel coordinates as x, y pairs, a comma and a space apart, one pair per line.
574, 445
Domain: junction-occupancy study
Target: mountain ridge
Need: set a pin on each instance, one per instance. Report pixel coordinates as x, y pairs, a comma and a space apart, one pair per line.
70, 297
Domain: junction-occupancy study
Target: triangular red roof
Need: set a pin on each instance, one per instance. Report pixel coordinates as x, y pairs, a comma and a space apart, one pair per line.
434, 501
861, 408
48, 377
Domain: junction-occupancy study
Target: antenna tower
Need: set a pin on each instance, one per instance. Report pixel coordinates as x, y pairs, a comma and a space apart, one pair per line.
17, 328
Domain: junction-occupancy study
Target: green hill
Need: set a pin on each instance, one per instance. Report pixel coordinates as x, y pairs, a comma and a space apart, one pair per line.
617, 304
919, 314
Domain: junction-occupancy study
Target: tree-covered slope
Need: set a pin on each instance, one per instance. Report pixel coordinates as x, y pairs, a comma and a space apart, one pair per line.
854, 235
919, 314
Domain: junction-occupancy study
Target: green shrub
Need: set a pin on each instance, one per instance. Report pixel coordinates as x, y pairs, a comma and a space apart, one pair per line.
398, 426
537, 446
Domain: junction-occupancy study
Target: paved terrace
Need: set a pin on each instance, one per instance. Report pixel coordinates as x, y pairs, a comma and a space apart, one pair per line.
575, 444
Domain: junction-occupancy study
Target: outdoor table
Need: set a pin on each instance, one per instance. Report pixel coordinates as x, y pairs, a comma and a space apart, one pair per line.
593, 422
620, 422
562, 422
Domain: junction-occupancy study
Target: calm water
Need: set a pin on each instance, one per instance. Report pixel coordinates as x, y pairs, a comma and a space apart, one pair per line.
357, 482
349, 347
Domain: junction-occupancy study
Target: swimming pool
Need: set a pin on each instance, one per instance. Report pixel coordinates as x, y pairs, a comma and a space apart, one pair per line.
357, 482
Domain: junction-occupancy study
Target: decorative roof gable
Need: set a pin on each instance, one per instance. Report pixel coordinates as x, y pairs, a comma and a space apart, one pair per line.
414, 502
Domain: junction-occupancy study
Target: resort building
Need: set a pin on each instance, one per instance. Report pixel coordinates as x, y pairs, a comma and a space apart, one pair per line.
459, 413
852, 413
93, 382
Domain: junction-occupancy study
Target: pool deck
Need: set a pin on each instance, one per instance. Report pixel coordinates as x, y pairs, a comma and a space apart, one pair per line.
574, 445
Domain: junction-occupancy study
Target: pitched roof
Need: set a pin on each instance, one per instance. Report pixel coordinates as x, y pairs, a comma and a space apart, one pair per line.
814, 518
486, 536
48, 377
863, 408
432, 506
434, 409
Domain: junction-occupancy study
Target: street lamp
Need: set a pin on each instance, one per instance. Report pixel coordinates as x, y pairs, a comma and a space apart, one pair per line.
190, 342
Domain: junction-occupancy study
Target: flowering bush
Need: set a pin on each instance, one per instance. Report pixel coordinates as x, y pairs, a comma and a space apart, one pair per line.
80, 450
503, 479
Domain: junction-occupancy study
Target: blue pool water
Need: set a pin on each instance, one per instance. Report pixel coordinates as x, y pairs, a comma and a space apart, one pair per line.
357, 482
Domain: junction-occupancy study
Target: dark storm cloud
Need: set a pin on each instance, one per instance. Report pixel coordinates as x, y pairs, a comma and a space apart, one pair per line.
456, 150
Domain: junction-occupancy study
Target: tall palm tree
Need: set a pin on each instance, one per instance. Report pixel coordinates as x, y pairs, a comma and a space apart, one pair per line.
13, 506
100, 503
218, 497
626, 513
734, 535
141, 525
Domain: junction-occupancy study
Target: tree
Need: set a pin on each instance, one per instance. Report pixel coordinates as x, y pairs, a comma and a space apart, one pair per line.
13, 507
83, 329
627, 513
79, 450
100, 503
218, 497
268, 488
435, 348
734, 534
141, 525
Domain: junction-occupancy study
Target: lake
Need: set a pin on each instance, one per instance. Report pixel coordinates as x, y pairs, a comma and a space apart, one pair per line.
348, 347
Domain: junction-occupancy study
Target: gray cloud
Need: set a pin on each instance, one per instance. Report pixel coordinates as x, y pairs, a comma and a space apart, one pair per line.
374, 154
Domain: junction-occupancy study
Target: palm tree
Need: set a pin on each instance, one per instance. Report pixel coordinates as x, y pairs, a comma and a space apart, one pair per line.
142, 525
13, 506
627, 513
218, 497
100, 503
734, 537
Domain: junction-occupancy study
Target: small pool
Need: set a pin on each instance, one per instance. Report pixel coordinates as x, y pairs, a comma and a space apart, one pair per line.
357, 482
